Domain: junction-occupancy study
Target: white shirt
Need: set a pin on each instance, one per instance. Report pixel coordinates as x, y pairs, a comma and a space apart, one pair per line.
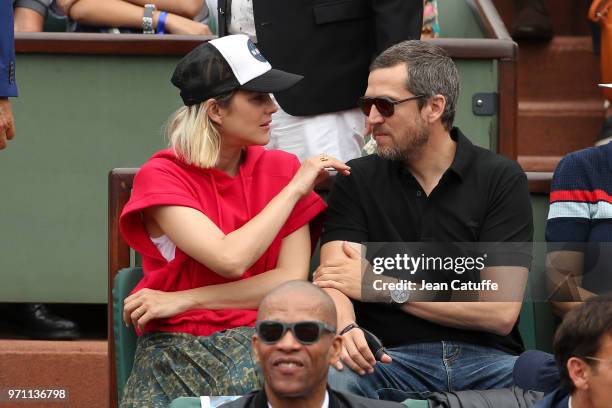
242, 20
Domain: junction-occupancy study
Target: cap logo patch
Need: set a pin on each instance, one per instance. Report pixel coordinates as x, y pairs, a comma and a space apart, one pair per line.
255, 52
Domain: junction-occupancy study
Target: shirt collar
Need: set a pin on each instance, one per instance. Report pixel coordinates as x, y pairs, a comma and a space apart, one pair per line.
463, 153
324, 405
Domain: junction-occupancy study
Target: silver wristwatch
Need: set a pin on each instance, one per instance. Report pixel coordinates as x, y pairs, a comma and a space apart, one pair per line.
399, 297
147, 19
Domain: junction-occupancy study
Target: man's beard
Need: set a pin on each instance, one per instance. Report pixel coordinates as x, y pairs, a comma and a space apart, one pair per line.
410, 149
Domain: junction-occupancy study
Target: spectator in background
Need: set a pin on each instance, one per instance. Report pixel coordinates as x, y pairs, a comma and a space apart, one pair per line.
115, 16
219, 222
431, 25
583, 352
332, 45
579, 228
33, 320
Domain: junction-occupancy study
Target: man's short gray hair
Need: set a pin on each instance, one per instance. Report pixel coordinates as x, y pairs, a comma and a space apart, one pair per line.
430, 72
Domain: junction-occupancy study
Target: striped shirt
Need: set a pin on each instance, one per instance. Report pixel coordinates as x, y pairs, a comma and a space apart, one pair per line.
580, 213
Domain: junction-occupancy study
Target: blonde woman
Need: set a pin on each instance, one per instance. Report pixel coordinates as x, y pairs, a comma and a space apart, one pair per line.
219, 222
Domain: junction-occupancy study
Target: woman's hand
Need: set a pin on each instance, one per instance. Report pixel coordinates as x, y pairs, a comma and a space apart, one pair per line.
180, 25
148, 304
313, 172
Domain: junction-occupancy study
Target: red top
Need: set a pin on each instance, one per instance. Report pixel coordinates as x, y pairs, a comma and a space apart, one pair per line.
227, 201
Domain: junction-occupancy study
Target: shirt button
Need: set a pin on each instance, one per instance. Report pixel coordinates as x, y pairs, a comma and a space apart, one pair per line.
418, 193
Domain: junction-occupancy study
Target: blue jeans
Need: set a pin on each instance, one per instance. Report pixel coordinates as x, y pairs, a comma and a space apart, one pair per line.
419, 369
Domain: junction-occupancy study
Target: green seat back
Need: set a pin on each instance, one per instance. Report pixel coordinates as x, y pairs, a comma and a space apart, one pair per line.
125, 337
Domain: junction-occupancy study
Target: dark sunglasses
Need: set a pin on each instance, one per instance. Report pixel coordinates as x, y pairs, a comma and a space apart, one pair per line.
385, 106
271, 331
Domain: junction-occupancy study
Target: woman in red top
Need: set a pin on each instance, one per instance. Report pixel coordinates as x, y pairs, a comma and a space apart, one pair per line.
219, 222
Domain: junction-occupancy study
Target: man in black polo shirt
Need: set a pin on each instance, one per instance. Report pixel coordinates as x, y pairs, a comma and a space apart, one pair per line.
428, 183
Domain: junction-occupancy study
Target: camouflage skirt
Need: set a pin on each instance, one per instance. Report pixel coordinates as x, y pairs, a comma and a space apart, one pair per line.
172, 365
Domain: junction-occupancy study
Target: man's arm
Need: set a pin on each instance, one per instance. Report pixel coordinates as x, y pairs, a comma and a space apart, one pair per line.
355, 351
567, 231
564, 271
8, 87
493, 312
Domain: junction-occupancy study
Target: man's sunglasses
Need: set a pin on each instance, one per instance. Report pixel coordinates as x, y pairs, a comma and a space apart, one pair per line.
271, 331
385, 106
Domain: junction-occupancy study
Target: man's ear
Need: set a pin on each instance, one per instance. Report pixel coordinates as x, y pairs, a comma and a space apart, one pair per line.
579, 372
335, 350
254, 343
214, 111
434, 108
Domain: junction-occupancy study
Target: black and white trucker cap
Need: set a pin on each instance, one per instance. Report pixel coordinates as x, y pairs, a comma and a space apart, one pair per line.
222, 65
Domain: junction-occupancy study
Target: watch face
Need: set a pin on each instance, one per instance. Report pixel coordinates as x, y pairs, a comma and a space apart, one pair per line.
399, 295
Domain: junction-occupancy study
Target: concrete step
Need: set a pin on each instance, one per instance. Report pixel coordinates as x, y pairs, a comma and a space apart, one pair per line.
79, 368
557, 128
564, 68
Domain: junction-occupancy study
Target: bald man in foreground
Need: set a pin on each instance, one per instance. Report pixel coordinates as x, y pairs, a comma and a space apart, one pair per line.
294, 343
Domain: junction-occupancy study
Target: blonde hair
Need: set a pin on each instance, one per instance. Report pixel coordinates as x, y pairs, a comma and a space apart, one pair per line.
193, 136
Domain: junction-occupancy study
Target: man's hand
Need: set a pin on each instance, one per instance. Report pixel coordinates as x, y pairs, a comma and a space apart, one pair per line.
343, 274
7, 126
356, 354
148, 304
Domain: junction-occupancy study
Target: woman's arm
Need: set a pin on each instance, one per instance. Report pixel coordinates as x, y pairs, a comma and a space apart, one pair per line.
293, 261
119, 13
184, 8
230, 255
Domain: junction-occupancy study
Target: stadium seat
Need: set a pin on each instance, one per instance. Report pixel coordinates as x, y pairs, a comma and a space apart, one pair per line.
121, 280
125, 337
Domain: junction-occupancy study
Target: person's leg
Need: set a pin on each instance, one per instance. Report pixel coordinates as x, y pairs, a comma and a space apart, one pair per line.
172, 365
475, 367
416, 371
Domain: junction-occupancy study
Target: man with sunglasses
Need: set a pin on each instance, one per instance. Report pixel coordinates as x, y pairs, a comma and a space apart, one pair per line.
583, 352
428, 183
295, 342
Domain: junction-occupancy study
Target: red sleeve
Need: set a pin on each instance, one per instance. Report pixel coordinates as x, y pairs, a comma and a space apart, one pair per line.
307, 210
159, 182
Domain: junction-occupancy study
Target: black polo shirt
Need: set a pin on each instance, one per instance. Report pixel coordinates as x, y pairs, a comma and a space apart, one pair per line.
482, 197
